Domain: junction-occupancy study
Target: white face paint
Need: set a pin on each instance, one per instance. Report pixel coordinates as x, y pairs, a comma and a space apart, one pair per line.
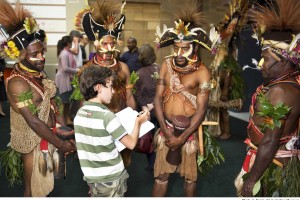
37, 59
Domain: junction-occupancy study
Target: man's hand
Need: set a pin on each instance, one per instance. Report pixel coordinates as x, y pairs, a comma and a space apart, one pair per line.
248, 188
67, 146
173, 142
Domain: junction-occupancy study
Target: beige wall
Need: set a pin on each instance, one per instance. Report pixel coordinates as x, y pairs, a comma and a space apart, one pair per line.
142, 17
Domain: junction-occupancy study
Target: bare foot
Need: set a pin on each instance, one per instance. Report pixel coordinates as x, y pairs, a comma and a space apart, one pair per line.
2, 114
225, 136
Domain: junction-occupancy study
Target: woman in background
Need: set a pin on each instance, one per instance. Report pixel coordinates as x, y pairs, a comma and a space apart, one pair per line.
66, 70
145, 88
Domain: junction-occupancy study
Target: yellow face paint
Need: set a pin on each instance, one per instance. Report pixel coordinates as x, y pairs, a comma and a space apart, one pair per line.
261, 62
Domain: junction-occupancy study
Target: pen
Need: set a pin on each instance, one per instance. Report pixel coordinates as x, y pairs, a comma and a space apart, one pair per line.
140, 113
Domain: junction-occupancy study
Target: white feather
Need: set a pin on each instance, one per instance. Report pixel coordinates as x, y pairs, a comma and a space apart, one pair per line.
254, 61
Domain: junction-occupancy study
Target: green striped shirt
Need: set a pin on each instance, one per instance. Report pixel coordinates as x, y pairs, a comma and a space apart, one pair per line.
96, 129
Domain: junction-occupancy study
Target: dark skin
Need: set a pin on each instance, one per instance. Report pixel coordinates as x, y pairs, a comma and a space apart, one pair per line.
117, 103
175, 106
268, 145
131, 44
15, 87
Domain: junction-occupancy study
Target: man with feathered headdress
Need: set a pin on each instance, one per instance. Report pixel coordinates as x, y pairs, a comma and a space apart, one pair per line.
31, 96
103, 22
228, 92
271, 167
181, 99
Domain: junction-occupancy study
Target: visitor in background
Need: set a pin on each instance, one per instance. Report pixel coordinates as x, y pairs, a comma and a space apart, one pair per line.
130, 57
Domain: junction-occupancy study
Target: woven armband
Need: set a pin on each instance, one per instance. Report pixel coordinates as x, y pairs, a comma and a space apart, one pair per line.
204, 88
160, 82
129, 86
24, 103
25, 100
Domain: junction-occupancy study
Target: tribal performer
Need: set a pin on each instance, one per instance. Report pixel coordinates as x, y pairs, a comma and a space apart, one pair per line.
181, 99
34, 111
271, 167
229, 90
100, 25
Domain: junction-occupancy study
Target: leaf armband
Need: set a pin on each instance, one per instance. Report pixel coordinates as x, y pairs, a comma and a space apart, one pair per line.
273, 115
59, 107
25, 100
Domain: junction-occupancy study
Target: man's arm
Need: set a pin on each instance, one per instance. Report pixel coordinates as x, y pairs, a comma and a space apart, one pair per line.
129, 96
158, 100
268, 146
17, 88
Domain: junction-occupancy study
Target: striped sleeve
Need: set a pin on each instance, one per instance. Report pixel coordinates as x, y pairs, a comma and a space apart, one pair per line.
113, 126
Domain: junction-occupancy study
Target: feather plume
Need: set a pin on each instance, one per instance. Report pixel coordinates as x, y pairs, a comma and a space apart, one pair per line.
78, 18
13, 19
192, 14
282, 16
103, 8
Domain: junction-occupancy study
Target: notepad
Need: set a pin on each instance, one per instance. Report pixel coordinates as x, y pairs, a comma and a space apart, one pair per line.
127, 118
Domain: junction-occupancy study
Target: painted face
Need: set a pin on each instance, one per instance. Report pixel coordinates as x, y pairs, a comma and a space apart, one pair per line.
106, 48
272, 66
35, 56
107, 91
182, 50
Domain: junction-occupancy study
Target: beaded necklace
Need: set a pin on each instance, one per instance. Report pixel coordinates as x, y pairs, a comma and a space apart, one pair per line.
285, 76
27, 72
101, 64
188, 68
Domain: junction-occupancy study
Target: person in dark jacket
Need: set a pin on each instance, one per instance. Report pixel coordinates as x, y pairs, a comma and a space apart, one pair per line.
145, 88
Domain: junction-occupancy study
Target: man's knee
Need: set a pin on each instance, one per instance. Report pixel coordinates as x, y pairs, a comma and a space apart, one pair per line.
163, 178
189, 181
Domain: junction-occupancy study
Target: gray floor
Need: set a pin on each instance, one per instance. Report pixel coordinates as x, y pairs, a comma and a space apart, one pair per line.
216, 183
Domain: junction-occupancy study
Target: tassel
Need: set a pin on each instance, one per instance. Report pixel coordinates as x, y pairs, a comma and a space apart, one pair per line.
49, 162
55, 161
239, 182
42, 163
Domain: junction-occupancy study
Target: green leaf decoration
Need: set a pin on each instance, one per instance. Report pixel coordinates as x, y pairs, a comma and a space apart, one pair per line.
28, 95
59, 104
213, 154
76, 95
256, 188
11, 161
237, 81
272, 114
134, 77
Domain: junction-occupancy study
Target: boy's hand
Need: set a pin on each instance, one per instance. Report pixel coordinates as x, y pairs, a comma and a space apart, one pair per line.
143, 116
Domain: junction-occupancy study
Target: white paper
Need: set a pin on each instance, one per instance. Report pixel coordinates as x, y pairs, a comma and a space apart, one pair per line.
127, 118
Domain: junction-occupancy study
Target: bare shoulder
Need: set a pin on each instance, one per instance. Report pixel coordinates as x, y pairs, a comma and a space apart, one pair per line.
17, 85
204, 73
286, 93
124, 67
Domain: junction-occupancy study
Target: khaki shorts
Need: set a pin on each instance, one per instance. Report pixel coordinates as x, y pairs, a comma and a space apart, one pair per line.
115, 188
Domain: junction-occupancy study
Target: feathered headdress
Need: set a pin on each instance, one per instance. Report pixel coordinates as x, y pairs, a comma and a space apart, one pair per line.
234, 19
277, 27
17, 29
100, 19
187, 28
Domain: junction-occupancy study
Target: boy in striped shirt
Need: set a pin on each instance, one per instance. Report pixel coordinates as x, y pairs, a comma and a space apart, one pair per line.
96, 129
